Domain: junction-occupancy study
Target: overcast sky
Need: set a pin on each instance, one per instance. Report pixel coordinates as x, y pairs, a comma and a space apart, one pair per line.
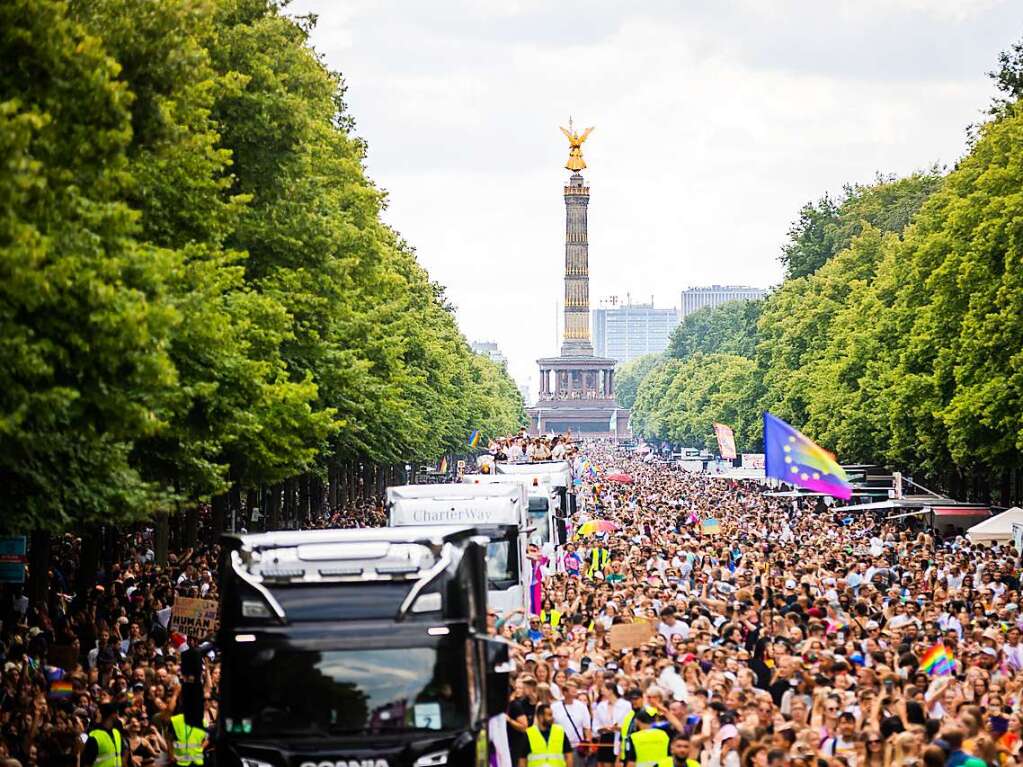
715, 120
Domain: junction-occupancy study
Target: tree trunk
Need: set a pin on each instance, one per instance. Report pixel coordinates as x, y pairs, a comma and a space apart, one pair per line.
38, 567
275, 507
304, 500
191, 527
219, 516
89, 561
316, 491
333, 486
251, 502
161, 543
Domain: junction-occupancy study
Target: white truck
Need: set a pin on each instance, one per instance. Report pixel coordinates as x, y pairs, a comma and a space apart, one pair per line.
498, 511
542, 505
555, 474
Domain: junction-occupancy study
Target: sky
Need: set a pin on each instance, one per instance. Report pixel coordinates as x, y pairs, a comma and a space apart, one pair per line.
714, 122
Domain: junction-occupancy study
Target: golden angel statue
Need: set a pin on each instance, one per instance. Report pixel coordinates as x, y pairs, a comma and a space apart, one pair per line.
575, 147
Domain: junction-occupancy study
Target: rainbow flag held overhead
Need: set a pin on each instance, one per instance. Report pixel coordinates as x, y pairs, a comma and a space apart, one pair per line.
795, 458
61, 690
937, 661
443, 468
474, 438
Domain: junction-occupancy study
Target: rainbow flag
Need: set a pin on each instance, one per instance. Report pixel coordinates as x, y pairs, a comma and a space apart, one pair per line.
795, 458
474, 438
937, 661
61, 690
443, 468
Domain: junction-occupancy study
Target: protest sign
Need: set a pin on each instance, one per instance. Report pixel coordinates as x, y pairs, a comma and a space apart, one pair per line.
624, 635
194, 617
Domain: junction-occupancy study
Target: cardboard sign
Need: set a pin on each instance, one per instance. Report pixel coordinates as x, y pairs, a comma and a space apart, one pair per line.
624, 635
196, 618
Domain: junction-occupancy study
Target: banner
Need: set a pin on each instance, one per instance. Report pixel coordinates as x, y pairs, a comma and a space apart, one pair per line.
726, 441
13, 558
753, 460
624, 635
196, 618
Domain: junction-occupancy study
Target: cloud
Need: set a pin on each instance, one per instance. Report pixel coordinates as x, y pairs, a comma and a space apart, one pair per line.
714, 123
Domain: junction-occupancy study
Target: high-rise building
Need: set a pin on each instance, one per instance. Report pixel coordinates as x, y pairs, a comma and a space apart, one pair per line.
715, 295
489, 349
624, 331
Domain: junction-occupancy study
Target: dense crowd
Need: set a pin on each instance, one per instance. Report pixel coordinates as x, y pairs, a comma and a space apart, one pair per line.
788, 633
784, 634
108, 653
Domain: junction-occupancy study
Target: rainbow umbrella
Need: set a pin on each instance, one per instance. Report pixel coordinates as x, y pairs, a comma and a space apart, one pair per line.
597, 526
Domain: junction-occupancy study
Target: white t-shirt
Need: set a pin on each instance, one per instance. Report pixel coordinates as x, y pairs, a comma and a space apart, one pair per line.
681, 628
606, 716
567, 714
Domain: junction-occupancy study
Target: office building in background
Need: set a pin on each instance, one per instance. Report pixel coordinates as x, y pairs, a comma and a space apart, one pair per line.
623, 330
489, 349
715, 295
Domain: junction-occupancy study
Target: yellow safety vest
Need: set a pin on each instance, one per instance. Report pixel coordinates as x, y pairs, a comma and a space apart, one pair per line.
598, 561
555, 617
651, 747
188, 741
550, 752
627, 722
108, 752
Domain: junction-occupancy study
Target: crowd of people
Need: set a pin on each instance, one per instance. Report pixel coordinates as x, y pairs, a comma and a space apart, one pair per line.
108, 658
783, 633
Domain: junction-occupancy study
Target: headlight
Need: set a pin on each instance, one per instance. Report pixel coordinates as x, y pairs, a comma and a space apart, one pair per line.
250, 762
436, 759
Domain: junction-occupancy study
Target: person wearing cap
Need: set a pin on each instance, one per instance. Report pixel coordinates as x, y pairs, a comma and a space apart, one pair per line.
106, 745
649, 746
629, 723
548, 745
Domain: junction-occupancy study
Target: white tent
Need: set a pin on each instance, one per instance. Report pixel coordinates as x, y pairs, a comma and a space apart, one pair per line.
996, 529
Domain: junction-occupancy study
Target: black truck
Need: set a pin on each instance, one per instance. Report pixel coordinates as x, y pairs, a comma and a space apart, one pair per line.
357, 648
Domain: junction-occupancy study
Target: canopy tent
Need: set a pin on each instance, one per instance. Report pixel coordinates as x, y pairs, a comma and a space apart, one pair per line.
997, 529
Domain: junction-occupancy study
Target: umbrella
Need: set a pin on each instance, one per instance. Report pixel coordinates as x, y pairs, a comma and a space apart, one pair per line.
597, 526
625, 479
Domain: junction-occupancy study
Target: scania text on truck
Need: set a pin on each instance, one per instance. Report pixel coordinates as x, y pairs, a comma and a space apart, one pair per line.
357, 647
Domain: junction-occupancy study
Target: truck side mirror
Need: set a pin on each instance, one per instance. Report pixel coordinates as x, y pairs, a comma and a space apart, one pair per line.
499, 665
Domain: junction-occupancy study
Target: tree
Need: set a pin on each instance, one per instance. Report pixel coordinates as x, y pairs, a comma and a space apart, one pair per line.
730, 328
83, 304
828, 227
630, 375
1008, 78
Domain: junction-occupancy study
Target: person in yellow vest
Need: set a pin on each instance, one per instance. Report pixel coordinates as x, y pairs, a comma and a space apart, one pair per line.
649, 745
188, 743
599, 558
548, 746
106, 745
629, 723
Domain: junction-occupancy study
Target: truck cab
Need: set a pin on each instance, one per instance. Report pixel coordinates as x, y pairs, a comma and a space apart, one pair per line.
364, 647
555, 474
500, 512
542, 501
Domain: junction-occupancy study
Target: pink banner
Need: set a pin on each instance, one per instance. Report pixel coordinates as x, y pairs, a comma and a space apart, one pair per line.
726, 441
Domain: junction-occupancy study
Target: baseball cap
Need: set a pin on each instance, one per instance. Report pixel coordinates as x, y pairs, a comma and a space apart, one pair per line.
727, 732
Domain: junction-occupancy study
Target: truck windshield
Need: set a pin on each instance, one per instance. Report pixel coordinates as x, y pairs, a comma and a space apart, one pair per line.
502, 564
282, 691
538, 510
